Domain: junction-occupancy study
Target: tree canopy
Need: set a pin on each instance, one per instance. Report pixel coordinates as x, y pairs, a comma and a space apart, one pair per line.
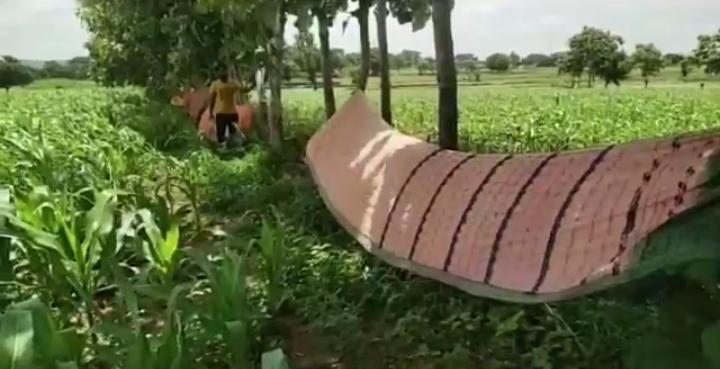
410, 58
514, 60
498, 62
159, 43
707, 52
538, 60
673, 58
649, 59
469, 64
306, 56
590, 51
12, 74
616, 68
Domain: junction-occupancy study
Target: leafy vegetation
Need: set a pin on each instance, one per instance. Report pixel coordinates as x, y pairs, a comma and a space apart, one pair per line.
649, 59
125, 242
164, 253
498, 62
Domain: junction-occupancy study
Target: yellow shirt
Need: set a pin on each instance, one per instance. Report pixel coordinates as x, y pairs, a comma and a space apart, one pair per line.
225, 96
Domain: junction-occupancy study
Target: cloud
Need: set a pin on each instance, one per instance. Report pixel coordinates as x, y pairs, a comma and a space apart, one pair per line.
41, 29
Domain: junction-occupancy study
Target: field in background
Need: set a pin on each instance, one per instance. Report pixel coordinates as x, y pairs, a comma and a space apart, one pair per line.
527, 77
341, 307
521, 77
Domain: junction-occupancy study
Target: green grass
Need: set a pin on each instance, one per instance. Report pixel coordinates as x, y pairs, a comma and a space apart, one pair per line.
283, 273
60, 83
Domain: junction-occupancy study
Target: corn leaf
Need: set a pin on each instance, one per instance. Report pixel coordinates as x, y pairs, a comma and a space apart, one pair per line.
16, 340
170, 244
274, 359
43, 327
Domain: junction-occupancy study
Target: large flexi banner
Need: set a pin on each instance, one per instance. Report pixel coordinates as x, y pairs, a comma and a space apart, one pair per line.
524, 228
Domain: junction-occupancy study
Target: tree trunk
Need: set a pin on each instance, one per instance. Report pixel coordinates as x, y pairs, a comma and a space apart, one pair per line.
363, 15
326, 65
646, 82
313, 80
446, 74
385, 103
261, 115
275, 53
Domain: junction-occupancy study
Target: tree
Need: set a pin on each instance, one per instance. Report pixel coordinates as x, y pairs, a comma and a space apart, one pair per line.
616, 68
397, 62
472, 68
572, 64
649, 59
162, 44
417, 13
707, 53
53, 69
274, 47
331, 60
381, 13
465, 56
498, 62
338, 59
374, 62
353, 59
591, 48
362, 13
469, 64
410, 58
14, 74
426, 65
78, 67
537, 60
555, 58
306, 56
686, 66
10, 59
673, 58
446, 73
514, 60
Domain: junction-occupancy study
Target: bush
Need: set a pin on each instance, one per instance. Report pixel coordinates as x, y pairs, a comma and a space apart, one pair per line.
498, 62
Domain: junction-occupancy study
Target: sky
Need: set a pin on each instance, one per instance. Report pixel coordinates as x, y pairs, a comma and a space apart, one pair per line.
49, 29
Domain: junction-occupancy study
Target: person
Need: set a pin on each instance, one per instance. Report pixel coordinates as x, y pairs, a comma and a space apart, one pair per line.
222, 103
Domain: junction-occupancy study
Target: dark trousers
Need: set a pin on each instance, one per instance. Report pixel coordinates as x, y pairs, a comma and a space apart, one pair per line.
225, 122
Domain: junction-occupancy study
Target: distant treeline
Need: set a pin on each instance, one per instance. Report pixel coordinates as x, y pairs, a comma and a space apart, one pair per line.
593, 53
13, 72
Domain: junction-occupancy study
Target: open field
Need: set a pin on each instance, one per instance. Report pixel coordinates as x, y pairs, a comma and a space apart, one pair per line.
530, 77
327, 303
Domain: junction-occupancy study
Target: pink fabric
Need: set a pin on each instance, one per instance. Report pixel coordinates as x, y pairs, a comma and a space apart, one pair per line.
501, 226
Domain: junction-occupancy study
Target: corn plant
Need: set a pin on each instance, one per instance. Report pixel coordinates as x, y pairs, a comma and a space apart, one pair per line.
271, 244
161, 249
6, 267
64, 236
228, 310
189, 204
31, 338
139, 349
274, 359
155, 229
